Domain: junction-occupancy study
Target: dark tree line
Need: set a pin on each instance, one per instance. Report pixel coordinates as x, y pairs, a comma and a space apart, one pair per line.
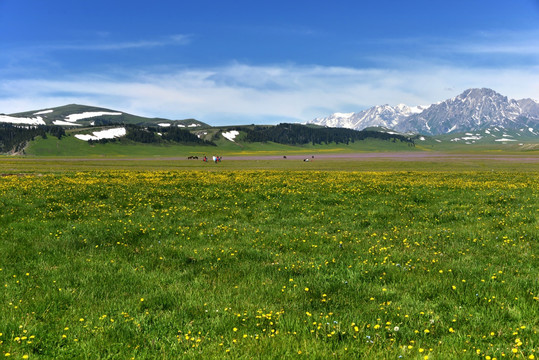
150, 135
105, 121
296, 134
177, 134
14, 138
142, 135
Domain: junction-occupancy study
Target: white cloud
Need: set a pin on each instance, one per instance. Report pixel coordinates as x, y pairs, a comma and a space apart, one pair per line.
178, 39
504, 42
499, 48
240, 93
419, 72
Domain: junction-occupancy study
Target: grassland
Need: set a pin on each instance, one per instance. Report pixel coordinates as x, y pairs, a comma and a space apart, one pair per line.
416, 161
71, 147
131, 263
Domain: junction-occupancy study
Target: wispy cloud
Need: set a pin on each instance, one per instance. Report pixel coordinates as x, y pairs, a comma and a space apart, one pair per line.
478, 49
499, 42
37, 60
244, 93
240, 93
172, 40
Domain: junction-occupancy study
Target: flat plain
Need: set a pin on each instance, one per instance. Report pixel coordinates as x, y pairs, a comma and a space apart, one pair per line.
373, 257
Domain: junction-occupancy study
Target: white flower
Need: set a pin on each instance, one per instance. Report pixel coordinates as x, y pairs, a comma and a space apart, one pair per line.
396, 328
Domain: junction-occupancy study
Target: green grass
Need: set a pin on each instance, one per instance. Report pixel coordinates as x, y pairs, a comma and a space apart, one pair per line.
72, 147
530, 146
269, 264
439, 162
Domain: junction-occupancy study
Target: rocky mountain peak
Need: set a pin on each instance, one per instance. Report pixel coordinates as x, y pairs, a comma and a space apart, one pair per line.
472, 110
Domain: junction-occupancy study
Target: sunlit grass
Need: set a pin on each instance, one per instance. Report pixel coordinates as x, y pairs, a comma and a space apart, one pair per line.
71, 147
269, 264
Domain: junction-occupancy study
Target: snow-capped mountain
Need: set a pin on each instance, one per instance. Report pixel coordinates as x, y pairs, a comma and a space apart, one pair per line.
529, 106
381, 116
473, 110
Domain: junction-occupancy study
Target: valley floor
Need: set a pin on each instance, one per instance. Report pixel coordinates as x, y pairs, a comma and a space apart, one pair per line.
121, 262
358, 161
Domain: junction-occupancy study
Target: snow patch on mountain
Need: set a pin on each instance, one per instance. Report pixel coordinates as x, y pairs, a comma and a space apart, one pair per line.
65, 123
43, 112
104, 134
85, 115
38, 120
231, 135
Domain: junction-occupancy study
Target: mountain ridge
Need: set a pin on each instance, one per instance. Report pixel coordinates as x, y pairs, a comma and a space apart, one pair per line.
76, 115
473, 110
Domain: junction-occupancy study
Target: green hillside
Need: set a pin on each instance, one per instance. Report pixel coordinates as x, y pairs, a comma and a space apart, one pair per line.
487, 140
61, 112
70, 146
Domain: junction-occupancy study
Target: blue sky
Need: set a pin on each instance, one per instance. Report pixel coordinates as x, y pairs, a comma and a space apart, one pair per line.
242, 62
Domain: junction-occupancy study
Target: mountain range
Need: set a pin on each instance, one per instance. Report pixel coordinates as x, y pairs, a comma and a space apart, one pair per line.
473, 110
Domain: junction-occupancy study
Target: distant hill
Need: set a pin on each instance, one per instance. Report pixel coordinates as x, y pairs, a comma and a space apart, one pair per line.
13, 139
295, 134
82, 115
96, 124
494, 138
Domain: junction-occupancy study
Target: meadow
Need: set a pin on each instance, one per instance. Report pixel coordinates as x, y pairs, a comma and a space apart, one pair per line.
273, 264
71, 147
